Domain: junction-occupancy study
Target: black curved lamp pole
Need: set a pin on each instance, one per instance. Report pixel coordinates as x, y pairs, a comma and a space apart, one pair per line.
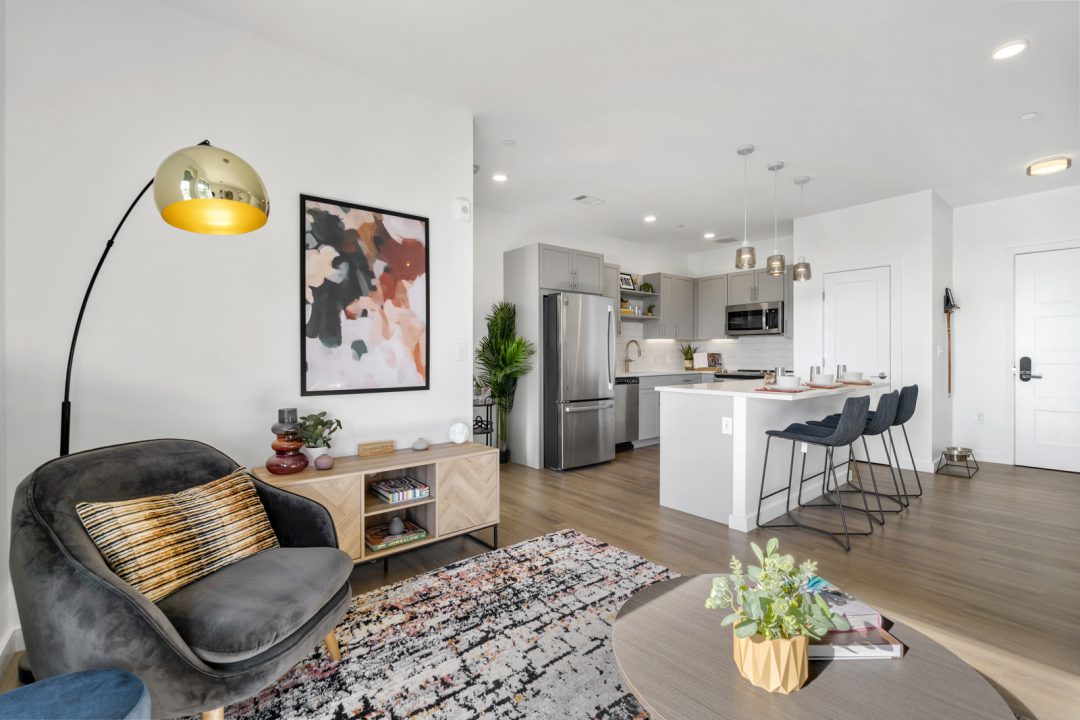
65, 406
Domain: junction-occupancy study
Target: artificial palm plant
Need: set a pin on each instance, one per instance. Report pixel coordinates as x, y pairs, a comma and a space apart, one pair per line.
503, 357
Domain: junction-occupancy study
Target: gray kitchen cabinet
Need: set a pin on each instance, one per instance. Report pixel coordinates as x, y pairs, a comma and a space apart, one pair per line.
649, 400
740, 288
712, 300
769, 288
611, 282
676, 307
573, 270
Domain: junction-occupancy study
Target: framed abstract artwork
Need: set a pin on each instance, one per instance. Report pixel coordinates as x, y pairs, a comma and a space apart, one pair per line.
363, 299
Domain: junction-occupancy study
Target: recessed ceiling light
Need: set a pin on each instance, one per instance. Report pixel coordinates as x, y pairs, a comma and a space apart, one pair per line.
649, 218
499, 177
1028, 116
1010, 49
1050, 165
710, 235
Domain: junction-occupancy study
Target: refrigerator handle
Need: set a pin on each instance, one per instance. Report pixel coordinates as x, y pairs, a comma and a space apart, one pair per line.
611, 346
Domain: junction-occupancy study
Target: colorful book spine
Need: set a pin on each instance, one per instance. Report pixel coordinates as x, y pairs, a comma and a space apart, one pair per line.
400, 490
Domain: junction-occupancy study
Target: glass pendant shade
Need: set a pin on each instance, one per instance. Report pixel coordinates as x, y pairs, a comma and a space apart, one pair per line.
802, 269
776, 265
207, 190
745, 257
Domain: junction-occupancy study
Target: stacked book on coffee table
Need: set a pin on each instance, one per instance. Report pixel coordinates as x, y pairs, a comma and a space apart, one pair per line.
866, 640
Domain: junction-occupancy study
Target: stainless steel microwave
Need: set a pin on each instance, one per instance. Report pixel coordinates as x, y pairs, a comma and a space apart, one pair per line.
765, 318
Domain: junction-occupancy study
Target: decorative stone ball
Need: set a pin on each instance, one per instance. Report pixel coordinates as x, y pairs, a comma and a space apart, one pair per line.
459, 432
420, 444
397, 526
324, 462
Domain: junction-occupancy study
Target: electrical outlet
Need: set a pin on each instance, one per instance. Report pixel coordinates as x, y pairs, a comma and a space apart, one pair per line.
725, 425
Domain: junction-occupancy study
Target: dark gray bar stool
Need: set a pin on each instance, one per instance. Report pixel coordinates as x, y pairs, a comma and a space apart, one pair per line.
850, 426
878, 423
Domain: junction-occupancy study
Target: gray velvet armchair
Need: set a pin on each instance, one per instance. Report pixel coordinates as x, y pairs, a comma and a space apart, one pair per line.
219, 640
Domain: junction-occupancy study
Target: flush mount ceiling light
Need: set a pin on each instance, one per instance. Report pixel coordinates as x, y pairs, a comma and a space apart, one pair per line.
1028, 116
801, 269
1050, 165
776, 263
649, 218
710, 235
1010, 49
500, 177
745, 257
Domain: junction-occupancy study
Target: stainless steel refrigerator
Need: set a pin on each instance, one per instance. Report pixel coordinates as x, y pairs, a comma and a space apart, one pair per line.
579, 380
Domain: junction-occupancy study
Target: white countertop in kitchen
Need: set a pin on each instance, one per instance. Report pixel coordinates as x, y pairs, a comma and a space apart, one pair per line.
655, 373
748, 388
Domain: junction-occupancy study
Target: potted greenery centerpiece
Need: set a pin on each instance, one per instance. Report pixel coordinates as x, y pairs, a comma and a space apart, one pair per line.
688, 351
316, 430
503, 357
774, 617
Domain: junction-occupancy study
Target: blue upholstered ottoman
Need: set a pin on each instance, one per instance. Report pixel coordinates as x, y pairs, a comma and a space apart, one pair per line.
87, 695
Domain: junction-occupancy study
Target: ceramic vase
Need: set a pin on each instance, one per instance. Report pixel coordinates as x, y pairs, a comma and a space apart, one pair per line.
318, 457
287, 458
779, 666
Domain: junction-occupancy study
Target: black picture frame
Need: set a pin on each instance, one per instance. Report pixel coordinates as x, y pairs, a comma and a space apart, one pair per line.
305, 390
626, 281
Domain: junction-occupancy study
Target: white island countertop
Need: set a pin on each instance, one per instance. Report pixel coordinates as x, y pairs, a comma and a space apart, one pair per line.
749, 388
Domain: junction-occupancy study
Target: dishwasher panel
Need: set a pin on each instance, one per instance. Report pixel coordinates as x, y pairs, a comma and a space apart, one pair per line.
626, 410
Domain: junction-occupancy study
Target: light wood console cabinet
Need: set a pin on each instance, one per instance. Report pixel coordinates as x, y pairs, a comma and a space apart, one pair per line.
464, 483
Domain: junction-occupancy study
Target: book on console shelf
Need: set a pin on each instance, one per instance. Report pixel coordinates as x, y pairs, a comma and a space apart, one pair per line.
869, 644
380, 537
403, 489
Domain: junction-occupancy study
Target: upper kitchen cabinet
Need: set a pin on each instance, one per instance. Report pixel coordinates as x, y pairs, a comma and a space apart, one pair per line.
712, 300
611, 282
740, 288
676, 307
753, 286
573, 270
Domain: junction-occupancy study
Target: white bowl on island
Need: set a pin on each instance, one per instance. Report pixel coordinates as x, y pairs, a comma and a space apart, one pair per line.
788, 382
823, 379
852, 376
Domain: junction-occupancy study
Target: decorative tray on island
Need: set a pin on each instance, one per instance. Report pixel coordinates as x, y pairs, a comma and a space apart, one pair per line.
774, 389
824, 386
866, 383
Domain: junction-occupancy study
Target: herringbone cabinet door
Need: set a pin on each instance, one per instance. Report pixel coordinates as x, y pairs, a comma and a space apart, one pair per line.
343, 497
467, 492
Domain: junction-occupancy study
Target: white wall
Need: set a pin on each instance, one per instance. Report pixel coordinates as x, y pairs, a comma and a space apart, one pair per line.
941, 277
187, 335
7, 619
986, 239
898, 233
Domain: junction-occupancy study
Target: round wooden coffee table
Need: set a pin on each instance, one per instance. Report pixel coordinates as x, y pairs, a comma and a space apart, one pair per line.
678, 662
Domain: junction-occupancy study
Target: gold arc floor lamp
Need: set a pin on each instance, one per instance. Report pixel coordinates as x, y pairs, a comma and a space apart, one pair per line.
201, 189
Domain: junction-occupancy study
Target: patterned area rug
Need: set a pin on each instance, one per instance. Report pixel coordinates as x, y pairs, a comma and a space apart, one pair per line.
520, 632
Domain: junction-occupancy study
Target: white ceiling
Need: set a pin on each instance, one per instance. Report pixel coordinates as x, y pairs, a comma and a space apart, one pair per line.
643, 102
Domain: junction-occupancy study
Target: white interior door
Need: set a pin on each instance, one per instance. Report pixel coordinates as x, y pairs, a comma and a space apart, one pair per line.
1048, 334
858, 322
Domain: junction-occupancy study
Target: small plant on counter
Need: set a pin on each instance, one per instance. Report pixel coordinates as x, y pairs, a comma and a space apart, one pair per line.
771, 600
317, 429
688, 351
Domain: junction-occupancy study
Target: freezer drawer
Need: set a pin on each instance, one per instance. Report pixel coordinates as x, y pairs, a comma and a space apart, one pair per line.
584, 434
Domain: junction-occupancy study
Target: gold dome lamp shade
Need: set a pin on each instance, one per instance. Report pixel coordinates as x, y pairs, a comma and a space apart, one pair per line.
201, 189
207, 190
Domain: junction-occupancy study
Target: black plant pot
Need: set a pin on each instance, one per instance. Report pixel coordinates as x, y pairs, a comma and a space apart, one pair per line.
504, 456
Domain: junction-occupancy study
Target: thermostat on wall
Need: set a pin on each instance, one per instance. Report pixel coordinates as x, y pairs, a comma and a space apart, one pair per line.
462, 209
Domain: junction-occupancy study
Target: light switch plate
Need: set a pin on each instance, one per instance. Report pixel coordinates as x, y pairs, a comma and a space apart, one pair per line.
725, 425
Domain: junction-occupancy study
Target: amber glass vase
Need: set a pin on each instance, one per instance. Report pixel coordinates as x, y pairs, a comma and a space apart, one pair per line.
287, 457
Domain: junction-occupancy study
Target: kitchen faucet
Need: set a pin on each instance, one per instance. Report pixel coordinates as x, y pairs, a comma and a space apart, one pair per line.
627, 358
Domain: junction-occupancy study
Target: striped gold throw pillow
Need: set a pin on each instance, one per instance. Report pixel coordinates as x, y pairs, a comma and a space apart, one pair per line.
161, 543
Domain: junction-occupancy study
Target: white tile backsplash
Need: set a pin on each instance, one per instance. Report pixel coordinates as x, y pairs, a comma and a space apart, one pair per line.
745, 352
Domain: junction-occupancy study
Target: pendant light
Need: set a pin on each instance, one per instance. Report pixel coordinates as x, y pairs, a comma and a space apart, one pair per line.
745, 257
802, 268
776, 263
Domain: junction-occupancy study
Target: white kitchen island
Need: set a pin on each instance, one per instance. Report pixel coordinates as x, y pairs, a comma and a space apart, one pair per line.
712, 445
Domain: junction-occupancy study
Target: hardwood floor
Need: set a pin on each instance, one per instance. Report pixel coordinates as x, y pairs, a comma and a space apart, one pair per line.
989, 567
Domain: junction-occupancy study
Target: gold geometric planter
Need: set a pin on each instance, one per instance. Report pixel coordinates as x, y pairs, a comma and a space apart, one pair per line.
774, 665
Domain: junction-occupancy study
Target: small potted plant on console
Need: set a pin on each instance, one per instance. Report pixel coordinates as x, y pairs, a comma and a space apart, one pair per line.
316, 430
774, 616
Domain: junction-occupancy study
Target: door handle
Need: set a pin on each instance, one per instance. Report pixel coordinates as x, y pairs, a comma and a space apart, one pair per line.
1025, 370
594, 408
